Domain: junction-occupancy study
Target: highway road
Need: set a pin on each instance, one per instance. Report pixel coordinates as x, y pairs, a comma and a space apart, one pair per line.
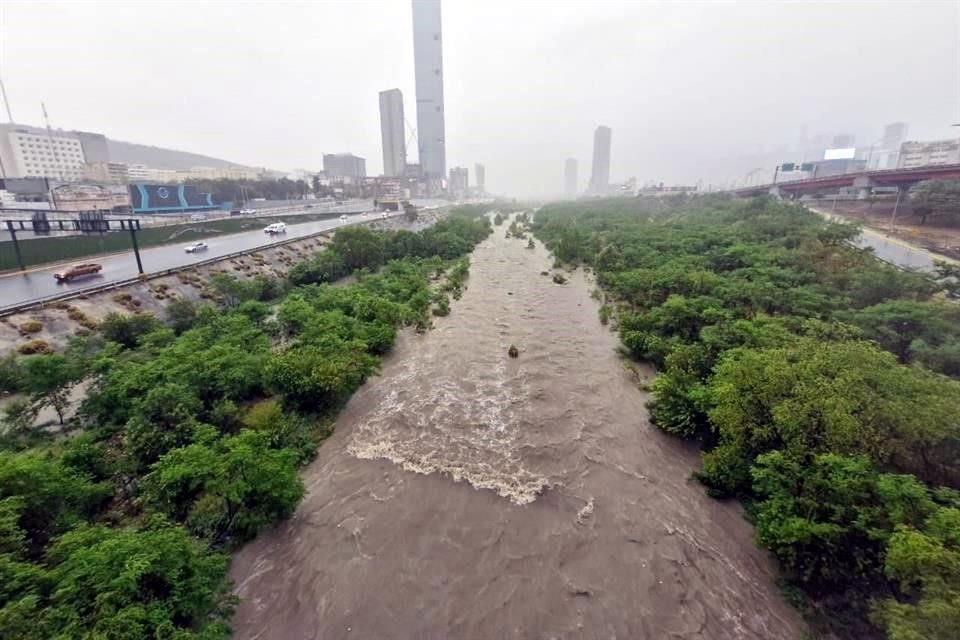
19, 287
890, 249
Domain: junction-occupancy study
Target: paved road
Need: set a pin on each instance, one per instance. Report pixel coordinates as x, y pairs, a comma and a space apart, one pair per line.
352, 206
17, 288
890, 249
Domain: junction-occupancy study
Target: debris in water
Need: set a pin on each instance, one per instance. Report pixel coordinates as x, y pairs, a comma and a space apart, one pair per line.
509, 293
544, 273
531, 244
559, 279
585, 511
513, 352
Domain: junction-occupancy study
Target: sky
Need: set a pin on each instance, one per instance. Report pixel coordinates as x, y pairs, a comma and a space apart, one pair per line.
693, 91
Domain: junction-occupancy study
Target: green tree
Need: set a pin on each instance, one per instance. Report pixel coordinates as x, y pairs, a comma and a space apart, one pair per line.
49, 379
926, 563
938, 199
150, 582
128, 330
228, 490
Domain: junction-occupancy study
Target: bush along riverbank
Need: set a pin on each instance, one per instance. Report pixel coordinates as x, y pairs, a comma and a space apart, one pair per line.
820, 382
192, 433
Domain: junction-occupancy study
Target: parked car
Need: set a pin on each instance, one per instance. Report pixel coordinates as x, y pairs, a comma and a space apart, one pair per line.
78, 271
276, 227
196, 247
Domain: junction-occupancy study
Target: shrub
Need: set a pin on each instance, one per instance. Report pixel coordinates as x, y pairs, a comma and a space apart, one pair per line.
34, 346
31, 326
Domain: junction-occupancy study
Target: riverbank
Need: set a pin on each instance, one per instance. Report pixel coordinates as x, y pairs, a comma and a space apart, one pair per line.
467, 494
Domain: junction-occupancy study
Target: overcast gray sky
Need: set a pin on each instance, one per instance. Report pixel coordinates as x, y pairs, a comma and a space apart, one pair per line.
688, 88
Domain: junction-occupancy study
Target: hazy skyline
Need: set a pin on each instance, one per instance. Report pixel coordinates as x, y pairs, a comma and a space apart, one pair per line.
684, 86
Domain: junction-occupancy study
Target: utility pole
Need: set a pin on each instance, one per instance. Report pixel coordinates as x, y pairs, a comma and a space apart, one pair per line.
53, 147
134, 224
16, 245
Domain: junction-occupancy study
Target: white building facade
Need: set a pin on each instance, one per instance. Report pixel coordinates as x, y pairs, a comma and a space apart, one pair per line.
31, 152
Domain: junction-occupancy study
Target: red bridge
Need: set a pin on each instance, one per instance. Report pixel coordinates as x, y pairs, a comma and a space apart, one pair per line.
864, 180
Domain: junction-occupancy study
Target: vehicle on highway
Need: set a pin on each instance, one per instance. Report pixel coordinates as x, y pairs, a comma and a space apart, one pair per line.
384, 215
78, 271
247, 212
343, 217
276, 227
197, 217
196, 247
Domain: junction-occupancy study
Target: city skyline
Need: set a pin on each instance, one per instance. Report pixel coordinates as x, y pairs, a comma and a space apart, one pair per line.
678, 118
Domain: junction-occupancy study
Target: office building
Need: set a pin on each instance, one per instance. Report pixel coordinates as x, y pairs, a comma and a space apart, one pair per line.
844, 141
94, 146
428, 69
32, 152
107, 172
600, 174
480, 177
391, 133
921, 154
459, 182
344, 165
570, 177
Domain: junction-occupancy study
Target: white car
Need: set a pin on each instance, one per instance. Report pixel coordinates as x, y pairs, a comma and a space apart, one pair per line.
196, 247
343, 217
276, 227
197, 217
247, 212
384, 215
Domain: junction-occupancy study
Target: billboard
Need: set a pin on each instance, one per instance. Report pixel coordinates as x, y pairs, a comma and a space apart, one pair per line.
845, 153
160, 198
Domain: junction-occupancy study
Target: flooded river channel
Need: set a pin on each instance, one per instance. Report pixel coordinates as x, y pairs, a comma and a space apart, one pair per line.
465, 494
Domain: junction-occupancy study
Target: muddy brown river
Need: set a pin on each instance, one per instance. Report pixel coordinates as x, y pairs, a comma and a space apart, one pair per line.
465, 494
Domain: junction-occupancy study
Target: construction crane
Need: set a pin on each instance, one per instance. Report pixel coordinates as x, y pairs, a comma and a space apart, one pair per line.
53, 147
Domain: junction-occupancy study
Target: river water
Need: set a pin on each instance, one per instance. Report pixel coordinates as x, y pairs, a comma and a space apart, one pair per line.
465, 494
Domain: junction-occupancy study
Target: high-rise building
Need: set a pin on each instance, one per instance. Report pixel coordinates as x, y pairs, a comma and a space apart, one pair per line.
391, 133
894, 135
570, 177
480, 177
428, 68
844, 140
344, 165
600, 175
459, 181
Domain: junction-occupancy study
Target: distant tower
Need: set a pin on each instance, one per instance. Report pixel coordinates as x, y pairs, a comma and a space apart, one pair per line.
480, 177
570, 177
428, 69
391, 133
600, 177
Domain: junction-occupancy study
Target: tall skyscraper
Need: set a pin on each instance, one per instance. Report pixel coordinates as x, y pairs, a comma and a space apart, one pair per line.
428, 68
391, 133
600, 176
570, 177
480, 177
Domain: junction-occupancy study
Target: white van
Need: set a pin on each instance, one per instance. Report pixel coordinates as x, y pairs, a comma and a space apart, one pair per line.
276, 227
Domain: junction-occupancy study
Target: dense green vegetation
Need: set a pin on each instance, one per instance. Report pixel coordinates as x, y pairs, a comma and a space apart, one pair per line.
818, 380
191, 436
